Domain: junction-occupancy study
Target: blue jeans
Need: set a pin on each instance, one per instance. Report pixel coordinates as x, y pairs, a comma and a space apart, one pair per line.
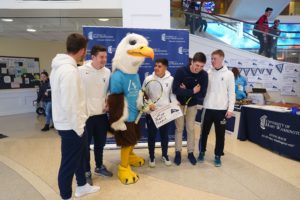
48, 110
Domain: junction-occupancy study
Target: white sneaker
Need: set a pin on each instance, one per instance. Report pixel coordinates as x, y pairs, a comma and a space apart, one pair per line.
166, 161
86, 189
151, 163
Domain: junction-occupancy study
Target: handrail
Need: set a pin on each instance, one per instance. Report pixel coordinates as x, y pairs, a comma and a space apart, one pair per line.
221, 16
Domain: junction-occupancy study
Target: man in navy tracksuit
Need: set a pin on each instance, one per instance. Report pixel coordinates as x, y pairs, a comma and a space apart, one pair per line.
189, 86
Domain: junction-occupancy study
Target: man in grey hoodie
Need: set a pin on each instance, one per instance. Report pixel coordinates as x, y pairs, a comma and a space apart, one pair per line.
69, 116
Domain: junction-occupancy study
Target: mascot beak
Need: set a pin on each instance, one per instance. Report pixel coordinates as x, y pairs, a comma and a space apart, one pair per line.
142, 51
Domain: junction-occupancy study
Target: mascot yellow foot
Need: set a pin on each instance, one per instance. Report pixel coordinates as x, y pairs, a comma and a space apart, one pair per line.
127, 176
135, 160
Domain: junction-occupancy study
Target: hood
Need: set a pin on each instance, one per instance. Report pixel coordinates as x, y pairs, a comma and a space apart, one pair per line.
221, 70
167, 75
62, 59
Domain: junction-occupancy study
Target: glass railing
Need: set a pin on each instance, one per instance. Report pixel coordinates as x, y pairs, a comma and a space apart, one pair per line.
239, 33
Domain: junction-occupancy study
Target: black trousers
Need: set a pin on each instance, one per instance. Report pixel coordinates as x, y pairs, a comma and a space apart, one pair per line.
164, 137
96, 127
216, 117
262, 43
72, 161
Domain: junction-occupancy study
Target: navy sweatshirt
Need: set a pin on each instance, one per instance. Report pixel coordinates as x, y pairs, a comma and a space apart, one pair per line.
190, 80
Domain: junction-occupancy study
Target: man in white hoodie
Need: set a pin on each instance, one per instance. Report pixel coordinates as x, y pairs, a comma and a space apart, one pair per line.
69, 116
95, 77
163, 76
218, 105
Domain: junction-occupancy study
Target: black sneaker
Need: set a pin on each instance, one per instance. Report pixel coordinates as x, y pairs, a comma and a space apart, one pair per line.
217, 161
102, 171
192, 158
177, 159
46, 128
88, 177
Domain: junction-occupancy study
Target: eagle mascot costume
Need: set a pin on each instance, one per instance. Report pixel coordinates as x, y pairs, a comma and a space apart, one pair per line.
125, 89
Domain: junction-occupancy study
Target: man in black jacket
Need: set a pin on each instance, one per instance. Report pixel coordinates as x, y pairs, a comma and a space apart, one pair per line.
189, 86
44, 95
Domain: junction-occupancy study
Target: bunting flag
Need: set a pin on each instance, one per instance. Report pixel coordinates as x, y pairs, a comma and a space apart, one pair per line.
261, 70
279, 67
246, 71
269, 71
254, 71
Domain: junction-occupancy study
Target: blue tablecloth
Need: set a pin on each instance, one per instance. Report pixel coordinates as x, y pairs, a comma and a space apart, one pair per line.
277, 131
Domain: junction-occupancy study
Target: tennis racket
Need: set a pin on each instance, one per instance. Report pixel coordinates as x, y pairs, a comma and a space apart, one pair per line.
186, 105
152, 92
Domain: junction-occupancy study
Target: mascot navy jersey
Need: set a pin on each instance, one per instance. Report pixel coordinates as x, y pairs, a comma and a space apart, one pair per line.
130, 85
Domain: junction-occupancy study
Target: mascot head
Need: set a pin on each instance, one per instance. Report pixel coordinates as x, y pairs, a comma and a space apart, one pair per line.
131, 53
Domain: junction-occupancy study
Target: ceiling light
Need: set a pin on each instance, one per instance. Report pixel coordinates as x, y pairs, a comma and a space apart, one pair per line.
294, 54
31, 30
7, 20
103, 19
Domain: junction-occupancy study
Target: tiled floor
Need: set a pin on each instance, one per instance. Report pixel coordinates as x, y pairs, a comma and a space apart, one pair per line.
29, 161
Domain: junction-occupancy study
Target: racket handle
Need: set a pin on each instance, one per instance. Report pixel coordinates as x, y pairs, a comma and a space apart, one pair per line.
138, 117
184, 110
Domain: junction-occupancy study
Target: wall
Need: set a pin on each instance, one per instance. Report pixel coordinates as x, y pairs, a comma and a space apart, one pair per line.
45, 51
145, 14
17, 101
82, 4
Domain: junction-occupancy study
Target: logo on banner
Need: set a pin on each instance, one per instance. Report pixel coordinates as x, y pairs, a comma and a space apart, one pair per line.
254, 71
269, 71
246, 70
279, 67
90, 35
110, 49
163, 37
181, 50
263, 120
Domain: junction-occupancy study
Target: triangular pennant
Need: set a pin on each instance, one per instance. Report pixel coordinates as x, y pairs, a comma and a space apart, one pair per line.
269, 71
261, 70
246, 71
254, 71
279, 67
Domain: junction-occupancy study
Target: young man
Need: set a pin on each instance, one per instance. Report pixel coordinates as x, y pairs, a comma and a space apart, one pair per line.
272, 40
190, 84
218, 105
69, 116
162, 75
44, 95
95, 77
262, 25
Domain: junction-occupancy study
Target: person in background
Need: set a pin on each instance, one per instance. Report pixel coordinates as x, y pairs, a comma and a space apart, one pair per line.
189, 86
240, 84
95, 77
272, 39
44, 95
69, 117
262, 25
218, 105
162, 75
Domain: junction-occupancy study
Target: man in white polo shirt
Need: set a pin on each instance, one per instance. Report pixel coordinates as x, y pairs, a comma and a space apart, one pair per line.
95, 77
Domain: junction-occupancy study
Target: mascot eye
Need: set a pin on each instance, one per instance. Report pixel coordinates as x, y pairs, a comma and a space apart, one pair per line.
132, 42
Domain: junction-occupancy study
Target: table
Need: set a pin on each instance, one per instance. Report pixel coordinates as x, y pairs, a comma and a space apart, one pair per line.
272, 127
